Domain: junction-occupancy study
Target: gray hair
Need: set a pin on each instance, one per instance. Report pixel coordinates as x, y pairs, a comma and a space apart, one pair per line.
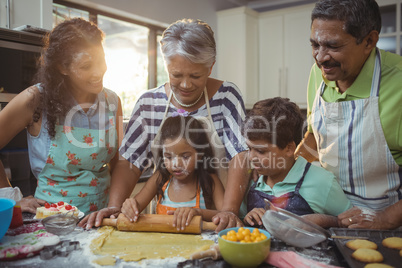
192, 39
360, 16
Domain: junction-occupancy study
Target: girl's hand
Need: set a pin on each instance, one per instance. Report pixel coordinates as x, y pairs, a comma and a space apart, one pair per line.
130, 208
183, 216
254, 216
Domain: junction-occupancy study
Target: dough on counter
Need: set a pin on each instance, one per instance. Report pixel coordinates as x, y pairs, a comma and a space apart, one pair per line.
367, 255
360, 243
135, 246
377, 265
392, 242
106, 260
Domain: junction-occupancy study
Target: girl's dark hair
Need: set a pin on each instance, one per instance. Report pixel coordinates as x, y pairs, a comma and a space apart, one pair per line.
277, 121
60, 45
193, 132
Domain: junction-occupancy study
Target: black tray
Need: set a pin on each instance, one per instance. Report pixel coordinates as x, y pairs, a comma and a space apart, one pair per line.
391, 256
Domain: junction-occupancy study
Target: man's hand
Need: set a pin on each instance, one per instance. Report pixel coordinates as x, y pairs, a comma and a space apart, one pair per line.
364, 218
95, 218
30, 203
226, 219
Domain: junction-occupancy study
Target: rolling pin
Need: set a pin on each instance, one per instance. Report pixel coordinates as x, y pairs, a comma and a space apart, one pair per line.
158, 223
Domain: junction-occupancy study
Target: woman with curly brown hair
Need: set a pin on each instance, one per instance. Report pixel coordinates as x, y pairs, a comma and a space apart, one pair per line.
71, 120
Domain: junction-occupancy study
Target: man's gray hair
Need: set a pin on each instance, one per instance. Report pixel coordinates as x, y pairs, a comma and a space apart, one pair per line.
360, 16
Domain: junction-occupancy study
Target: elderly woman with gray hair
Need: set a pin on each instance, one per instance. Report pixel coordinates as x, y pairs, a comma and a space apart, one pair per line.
189, 51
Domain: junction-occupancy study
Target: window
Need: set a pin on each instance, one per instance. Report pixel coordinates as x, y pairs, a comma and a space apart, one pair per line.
132, 50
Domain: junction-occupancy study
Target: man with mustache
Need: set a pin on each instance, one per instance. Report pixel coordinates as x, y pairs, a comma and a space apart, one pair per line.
355, 111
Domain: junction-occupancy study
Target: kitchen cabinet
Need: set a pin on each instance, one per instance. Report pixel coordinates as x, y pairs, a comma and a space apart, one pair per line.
37, 13
285, 54
237, 50
391, 31
266, 54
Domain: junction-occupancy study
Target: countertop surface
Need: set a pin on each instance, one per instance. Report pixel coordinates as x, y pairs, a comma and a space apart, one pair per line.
326, 253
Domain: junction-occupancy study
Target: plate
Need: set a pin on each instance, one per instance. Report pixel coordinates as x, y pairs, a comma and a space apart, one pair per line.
80, 215
391, 256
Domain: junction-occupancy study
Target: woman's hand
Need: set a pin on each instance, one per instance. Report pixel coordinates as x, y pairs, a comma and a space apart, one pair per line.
131, 209
30, 204
183, 216
95, 218
226, 219
255, 216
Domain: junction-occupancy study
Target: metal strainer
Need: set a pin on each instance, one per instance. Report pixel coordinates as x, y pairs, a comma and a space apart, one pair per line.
295, 230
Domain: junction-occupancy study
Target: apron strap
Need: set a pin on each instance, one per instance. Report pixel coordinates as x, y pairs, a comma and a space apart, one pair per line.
375, 83
168, 104
299, 184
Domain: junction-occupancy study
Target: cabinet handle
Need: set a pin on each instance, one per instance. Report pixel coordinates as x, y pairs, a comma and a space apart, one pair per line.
8, 14
280, 81
285, 88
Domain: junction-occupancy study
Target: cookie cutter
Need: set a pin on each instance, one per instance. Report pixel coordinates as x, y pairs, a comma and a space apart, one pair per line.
62, 249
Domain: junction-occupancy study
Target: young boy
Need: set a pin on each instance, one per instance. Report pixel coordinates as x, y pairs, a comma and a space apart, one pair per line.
273, 129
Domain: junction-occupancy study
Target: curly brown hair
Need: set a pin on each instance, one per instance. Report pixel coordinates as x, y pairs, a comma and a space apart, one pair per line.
66, 39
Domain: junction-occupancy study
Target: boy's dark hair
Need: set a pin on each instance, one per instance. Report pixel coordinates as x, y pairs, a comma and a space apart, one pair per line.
193, 132
277, 120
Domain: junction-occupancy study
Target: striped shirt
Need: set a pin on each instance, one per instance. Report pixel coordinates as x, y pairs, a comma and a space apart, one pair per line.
227, 111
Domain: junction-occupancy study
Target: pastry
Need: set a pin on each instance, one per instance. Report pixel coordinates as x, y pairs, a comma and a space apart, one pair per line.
367, 255
392, 242
377, 265
360, 243
135, 246
55, 208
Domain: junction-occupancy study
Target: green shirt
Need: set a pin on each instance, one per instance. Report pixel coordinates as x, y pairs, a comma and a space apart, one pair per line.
320, 189
390, 95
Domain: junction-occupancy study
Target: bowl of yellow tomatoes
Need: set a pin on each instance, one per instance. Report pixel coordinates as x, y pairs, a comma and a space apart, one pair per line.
244, 246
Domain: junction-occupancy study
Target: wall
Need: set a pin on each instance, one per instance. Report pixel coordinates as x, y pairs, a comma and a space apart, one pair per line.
164, 12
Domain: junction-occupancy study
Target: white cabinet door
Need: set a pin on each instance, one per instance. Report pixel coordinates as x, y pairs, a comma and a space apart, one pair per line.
285, 54
271, 56
297, 56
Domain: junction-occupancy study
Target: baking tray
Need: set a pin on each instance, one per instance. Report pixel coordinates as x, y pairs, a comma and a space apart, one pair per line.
391, 256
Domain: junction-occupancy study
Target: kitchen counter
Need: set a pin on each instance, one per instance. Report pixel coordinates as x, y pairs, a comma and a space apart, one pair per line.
326, 252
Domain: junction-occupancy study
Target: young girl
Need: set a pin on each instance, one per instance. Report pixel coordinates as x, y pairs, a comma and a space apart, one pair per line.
185, 183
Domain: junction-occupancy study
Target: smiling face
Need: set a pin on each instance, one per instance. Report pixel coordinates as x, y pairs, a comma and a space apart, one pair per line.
180, 158
270, 160
86, 71
336, 52
187, 79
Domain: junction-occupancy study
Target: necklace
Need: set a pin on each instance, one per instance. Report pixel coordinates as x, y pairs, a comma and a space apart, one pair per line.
188, 105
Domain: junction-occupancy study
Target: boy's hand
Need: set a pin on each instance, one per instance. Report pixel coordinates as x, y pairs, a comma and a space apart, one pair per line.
183, 216
130, 209
254, 216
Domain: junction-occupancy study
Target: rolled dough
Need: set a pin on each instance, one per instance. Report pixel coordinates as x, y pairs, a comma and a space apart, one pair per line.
135, 246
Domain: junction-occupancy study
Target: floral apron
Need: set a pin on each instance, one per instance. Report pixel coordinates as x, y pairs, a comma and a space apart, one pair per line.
76, 170
351, 144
